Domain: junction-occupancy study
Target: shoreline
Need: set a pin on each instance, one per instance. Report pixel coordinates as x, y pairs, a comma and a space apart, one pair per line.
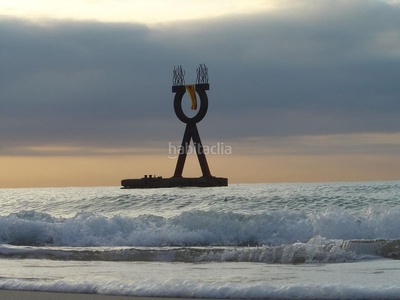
39, 295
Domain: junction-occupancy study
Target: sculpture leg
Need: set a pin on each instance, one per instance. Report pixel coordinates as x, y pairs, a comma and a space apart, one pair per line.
200, 151
183, 152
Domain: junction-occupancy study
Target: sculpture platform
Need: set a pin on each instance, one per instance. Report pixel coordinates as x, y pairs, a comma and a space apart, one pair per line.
159, 182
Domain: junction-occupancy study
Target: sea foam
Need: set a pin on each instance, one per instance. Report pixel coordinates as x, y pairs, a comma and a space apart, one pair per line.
178, 288
197, 228
281, 236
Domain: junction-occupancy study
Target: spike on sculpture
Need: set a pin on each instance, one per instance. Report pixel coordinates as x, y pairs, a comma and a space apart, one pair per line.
191, 133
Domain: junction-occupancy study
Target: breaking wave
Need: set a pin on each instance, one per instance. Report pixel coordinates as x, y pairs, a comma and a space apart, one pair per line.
283, 236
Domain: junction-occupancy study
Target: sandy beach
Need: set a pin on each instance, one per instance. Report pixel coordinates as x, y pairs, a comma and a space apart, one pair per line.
29, 295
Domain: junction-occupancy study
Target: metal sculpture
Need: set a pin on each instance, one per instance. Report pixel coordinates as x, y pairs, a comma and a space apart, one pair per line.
191, 131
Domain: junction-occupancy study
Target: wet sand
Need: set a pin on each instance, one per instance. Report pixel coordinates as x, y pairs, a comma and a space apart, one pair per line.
28, 295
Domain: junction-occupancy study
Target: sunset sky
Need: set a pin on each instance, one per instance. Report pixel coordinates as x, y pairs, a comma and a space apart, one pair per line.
301, 90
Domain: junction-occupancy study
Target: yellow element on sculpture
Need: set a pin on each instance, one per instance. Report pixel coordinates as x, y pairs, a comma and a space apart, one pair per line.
191, 89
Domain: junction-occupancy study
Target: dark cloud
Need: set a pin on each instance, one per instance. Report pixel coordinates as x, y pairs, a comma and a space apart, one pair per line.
321, 67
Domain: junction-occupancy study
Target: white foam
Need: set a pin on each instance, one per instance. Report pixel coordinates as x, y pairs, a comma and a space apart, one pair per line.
197, 228
368, 279
220, 290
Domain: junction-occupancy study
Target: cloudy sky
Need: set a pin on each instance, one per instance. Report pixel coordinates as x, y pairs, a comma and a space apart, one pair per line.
300, 90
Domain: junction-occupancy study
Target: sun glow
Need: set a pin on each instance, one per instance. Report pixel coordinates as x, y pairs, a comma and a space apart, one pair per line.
147, 12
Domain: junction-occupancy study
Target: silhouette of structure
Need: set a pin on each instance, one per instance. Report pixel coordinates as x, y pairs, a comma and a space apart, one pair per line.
191, 133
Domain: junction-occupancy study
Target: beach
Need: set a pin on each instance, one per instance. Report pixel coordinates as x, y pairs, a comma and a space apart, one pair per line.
28, 295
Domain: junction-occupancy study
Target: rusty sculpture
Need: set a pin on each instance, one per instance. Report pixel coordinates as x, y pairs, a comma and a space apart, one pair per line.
191, 133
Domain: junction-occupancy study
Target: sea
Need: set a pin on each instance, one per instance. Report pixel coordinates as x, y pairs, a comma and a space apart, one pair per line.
338, 240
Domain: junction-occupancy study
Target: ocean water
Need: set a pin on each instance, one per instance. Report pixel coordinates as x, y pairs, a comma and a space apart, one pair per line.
276, 241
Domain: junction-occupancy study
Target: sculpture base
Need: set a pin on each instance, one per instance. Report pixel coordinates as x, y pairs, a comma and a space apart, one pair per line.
158, 182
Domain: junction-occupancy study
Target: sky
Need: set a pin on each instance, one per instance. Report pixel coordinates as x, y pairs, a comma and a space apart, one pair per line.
300, 90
